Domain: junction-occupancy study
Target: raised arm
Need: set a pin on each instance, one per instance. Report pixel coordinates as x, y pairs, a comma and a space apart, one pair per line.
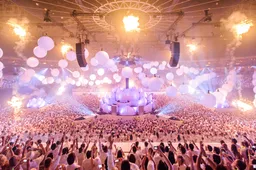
167, 161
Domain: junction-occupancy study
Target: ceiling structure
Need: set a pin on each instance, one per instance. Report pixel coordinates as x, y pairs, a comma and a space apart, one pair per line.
101, 22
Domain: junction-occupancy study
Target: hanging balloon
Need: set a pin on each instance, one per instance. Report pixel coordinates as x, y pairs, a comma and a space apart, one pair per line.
161, 67
254, 82
127, 72
78, 84
179, 72
153, 70
58, 81
91, 83
100, 71
145, 82
171, 91
155, 84
25, 79
186, 70
111, 63
32, 62
55, 72
46, 43
39, 52
44, 81
94, 62
102, 57
71, 56
93, 77
1, 53
1, 74
1, 66
208, 100
86, 53
138, 70
63, 63
141, 75
169, 76
76, 74
50, 80
254, 89
30, 73
184, 89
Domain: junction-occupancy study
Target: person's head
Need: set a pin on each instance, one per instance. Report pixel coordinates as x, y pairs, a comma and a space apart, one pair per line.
17, 151
132, 158
209, 148
222, 142
234, 149
183, 150
119, 154
47, 163
171, 157
71, 158
58, 142
50, 155
216, 159
54, 146
180, 160
134, 149
216, 150
80, 150
125, 165
234, 141
240, 165
146, 144
105, 148
194, 158
88, 154
208, 167
191, 146
137, 144
166, 149
221, 167
162, 166
13, 161
65, 151
82, 145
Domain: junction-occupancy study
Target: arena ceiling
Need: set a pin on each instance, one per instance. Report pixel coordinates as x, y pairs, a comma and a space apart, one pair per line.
101, 22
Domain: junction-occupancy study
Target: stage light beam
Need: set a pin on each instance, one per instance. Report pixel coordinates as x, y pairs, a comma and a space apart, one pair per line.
192, 47
242, 27
18, 30
65, 48
242, 106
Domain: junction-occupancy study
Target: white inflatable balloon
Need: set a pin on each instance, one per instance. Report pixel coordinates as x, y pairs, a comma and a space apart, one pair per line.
76, 74
39, 52
153, 70
50, 80
102, 57
94, 62
46, 43
58, 81
85, 68
208, 100
71, 56
155, 84
171, 91
169, 76
100, 71
1, 74
127, 72
179, 72
92, 77
32, 62
184, 89
254, 82
63, 63
1, 66
1, 53
110, 64
30, 73
55, 72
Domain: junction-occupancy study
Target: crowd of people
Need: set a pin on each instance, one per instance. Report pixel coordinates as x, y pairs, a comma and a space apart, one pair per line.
53, 138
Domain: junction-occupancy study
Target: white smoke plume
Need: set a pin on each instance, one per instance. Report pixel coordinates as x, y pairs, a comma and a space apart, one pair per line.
20, 28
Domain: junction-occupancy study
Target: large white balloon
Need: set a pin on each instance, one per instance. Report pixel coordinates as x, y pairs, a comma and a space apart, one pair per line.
63, 63
30, 73
39, 52
184, 89
100, 71
179, 72
254, 82
55, 72
71, 56
1, 74
127, 72
92, 77
94, 62
155, 84
137, 70
208, 100
153, 70
32, 62
76, 74
46, 43
102, 57
171, 91
1, 53
110, 64
50, 80
1, 66
169, 76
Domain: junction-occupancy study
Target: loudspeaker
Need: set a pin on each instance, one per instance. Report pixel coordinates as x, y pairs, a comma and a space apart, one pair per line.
80, 55
175, 49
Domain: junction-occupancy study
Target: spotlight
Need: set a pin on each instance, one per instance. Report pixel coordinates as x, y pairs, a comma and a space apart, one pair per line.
192, 47
47, 16
65, 48
131, 23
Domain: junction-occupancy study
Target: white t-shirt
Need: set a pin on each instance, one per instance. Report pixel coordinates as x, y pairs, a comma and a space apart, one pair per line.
150, 165
73, 166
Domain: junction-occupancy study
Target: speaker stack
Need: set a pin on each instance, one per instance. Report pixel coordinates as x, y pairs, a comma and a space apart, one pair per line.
80, 54
175, 49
